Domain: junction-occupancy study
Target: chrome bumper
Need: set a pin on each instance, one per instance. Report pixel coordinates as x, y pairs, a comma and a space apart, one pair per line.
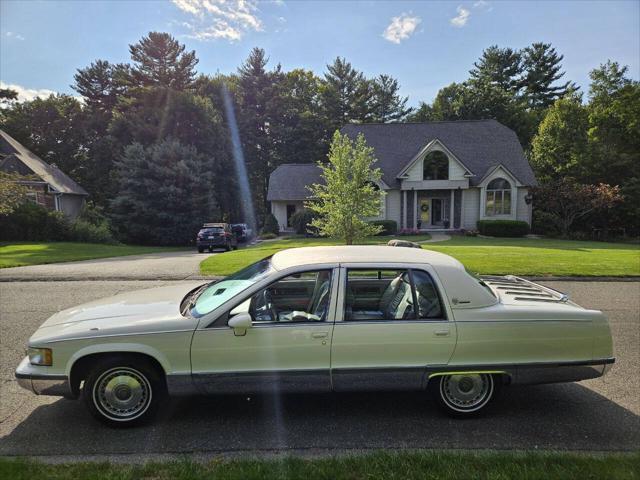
34, 380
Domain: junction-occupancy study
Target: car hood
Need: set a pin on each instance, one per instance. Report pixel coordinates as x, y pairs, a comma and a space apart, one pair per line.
141, 311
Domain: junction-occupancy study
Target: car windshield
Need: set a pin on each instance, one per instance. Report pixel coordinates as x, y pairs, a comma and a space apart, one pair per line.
215, 294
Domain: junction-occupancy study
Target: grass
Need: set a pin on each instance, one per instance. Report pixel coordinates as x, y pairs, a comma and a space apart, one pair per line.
542, 257
19, 254
517, 256
230, 262
382, 465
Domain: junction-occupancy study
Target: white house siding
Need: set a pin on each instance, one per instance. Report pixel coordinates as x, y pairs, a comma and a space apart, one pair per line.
279, 210
394, 197
523, 210
470, 208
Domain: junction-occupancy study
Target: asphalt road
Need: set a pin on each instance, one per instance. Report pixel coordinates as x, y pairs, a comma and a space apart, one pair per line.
178, 265
601, 414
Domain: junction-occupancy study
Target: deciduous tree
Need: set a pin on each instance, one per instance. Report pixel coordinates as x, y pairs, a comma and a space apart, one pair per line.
349, 194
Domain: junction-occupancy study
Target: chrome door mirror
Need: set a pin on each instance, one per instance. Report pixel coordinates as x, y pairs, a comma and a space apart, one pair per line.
240, 323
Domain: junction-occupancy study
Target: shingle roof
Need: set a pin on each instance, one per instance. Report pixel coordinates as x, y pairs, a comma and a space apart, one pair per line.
479, 144
55, 177
289, 181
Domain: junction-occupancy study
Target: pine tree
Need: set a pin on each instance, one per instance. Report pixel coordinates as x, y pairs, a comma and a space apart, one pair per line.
346, 94
386, 103
542, 69
499, 66
160, 60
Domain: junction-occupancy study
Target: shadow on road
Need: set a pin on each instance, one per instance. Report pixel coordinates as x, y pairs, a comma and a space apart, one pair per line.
568, 416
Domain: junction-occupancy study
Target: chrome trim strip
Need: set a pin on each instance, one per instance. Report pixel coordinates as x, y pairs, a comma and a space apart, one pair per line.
111, 335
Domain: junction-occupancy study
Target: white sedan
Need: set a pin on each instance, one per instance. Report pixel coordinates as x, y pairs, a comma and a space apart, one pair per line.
318, 319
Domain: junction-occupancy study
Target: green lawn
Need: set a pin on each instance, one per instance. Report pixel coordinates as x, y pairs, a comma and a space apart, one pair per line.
518, 256
230, 262
382, 465
19, 254
540, 257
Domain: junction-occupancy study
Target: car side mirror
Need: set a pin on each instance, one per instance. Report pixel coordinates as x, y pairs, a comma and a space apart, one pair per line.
240, 323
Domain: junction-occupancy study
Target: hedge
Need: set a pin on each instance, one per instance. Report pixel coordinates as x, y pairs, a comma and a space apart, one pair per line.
503, 228
389, 227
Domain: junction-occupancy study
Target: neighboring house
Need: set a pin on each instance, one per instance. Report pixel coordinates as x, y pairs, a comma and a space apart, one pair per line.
436, 176
48, 185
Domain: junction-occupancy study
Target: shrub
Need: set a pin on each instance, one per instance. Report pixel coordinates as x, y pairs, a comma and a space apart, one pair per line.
267, 236
270, 225
301, 220
409, 231
31, 222
83, 231
389, 227
503, 228
545, 223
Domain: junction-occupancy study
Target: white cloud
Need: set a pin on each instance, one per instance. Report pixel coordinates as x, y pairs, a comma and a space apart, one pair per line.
401, 28
25, 94
462, 18
15, 35
481, 4
226, 19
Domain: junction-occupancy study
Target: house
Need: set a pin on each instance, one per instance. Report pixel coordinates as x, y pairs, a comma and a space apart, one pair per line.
48, 185
436, 176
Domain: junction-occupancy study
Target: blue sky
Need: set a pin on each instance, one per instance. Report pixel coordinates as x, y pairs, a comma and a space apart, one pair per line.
426, 45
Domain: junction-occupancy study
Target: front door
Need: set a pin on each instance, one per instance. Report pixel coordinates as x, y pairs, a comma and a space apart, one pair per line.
436, 211
286, 349
394, 325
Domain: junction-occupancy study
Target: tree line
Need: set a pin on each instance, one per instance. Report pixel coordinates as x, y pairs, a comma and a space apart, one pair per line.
150, 140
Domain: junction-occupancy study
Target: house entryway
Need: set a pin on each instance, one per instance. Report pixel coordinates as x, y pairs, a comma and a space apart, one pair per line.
434, 213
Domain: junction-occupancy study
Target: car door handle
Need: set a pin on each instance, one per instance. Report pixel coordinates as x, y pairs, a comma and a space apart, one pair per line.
441, 333
319, 334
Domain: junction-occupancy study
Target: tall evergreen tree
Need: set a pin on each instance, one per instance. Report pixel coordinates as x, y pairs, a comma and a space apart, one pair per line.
160, 60
100, 85
386, 103
346, 94
164, 193
542, 69
499, 66
607, 80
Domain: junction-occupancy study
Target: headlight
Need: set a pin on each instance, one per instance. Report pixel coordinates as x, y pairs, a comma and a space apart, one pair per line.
40, 356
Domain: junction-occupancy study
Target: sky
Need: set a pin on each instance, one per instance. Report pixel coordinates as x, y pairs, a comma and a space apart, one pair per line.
424, 44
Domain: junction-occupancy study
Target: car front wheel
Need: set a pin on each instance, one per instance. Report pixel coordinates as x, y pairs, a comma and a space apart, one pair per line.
465, 395
123, 392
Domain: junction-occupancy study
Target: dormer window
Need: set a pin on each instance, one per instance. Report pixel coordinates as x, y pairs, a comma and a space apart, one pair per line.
498, 197
436, 166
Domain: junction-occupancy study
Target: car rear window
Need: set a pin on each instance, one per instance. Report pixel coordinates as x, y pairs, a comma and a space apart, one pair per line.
206, 231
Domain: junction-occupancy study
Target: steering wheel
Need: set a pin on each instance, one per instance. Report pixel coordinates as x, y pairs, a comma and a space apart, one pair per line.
269, 305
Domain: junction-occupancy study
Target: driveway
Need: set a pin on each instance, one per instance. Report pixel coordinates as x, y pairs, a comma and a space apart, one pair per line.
180, 265
600, 414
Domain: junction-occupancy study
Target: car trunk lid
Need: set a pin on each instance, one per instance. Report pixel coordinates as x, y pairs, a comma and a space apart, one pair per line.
514, 290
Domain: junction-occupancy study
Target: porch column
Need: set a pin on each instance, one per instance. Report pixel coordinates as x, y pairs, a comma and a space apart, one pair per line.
404, 209
415, 209
451, 215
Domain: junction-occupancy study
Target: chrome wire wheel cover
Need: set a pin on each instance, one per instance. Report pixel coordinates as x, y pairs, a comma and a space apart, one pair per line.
122, 394
466, 392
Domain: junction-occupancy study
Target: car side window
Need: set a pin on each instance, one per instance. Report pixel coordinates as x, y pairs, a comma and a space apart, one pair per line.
378, 295
428, 300
301, 297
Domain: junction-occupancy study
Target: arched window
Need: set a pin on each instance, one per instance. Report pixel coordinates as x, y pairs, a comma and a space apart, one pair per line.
498, 197
435, 166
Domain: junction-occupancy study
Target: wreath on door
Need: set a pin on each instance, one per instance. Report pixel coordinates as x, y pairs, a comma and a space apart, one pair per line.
424, 207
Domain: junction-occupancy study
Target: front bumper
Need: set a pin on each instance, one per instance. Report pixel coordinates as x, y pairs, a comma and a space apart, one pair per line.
33, 379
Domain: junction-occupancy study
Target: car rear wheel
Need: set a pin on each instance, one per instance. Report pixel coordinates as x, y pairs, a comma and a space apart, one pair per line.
123, 391
466, 394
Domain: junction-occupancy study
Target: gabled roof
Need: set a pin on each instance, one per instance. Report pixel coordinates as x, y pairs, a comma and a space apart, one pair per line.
479, 144
56, 178
289, 182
